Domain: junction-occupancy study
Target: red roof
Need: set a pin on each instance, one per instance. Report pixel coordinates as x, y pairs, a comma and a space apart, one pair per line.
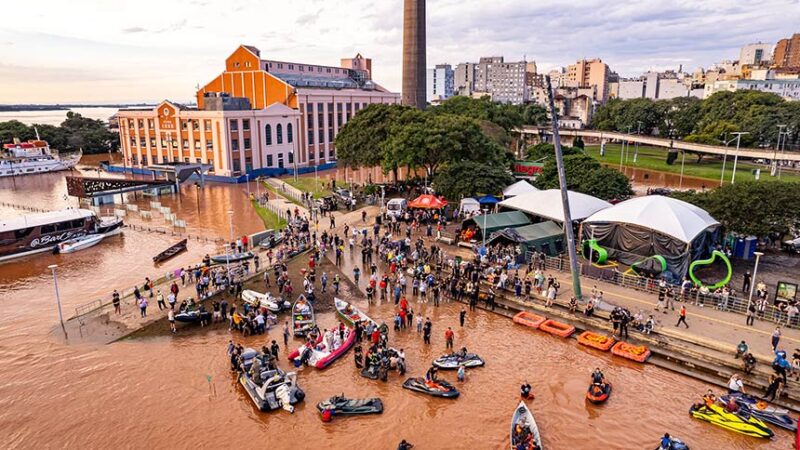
428, 201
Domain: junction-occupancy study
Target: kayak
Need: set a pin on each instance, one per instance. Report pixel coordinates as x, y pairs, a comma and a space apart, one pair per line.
438, 388
453, 360
598, 393
763, 411
717, 415
528, 319
349, 313
259, 300
232, 257
524, 431
339, 404
638, 353
302, 316
595, 340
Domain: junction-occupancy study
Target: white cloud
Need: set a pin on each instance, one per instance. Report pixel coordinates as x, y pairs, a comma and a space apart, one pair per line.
154, 49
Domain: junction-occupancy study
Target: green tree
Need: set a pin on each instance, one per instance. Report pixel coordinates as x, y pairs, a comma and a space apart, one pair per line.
585, 174
545, 150
534, 114
753, 207
482, 178
679, 115
75, 133
505, 115
15, 129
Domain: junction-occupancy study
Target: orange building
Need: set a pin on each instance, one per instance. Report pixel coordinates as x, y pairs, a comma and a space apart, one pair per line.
257, 114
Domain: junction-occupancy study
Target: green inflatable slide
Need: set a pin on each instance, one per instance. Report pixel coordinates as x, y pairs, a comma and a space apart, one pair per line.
599, 254
705, 262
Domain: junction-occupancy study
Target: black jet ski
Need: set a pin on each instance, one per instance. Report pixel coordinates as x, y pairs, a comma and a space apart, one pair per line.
674, 444
598, 393
339, 404
439, 388
193, 316
762, 410
453, 360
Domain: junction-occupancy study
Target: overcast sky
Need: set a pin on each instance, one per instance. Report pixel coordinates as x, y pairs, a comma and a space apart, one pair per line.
148, 50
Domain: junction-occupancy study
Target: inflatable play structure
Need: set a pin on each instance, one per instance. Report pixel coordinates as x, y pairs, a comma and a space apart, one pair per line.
653, 235
716, 254
591, 249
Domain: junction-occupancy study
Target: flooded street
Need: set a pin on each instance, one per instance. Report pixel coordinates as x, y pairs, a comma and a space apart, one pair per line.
178, 392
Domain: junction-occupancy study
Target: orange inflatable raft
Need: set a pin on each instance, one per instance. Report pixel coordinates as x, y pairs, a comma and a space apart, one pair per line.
529, 319
557, 328
595, 340
638, 353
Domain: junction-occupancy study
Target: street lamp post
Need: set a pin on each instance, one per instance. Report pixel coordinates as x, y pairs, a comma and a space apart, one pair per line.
753, 283
197, 191
775, 153
683, 162
636, 147
53, 267
591, 228
247, 180
736, 156
227, 247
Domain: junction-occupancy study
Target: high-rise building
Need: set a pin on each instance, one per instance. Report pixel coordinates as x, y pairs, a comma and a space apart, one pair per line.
787, 52
755, 54
257, 114
440, 82
414, 64
503, 81
589, 73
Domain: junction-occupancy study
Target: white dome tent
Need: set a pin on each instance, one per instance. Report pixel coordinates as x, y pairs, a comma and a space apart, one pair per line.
653, 225
518, 188
548, 204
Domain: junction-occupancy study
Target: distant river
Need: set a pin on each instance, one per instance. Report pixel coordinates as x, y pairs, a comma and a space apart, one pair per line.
56, 117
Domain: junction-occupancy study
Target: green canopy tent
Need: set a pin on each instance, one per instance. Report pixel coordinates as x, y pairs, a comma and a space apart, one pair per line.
489, 223
546, 237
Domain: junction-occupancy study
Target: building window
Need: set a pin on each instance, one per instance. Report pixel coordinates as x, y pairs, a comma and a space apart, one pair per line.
144, 160
207, 125
280, 160
235, 145
234, 125
348, 111
330, 153
151, 123
248, 164
237, 165
195, 124
185, 124
339, 115
246, 125
141, 123
247, 143
310, 122
321, 136
186, 160
291, 157
289, 133
197, 145
279, 134
269, 161
209, 145
321, 154
152, 142
211, 163
268, 135
174, 143
142, 142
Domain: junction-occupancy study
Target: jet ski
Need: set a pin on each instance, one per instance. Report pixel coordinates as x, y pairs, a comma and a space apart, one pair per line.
439, 388
740, 423
339, 404
598, 393
674, 444
763, 410
193, 316
453, 360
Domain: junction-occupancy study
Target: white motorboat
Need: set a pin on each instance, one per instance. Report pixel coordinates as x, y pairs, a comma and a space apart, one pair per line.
32, 157
259, 300
79, 243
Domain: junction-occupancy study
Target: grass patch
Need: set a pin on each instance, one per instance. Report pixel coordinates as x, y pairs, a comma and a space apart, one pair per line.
282, 195
314, 185
710, 167
270, 219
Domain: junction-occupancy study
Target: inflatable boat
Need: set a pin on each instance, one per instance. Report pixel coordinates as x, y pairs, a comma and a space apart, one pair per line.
598, 393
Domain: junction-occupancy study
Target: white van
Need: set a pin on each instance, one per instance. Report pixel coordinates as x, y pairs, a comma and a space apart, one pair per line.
396, 208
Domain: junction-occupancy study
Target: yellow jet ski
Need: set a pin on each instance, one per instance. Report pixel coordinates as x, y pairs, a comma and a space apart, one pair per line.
741, 423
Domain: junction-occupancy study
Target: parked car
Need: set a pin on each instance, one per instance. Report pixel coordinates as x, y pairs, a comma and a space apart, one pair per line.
396, 207
792, 245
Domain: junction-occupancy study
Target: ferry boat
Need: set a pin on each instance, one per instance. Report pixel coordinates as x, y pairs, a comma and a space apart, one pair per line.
42, 232
34, 156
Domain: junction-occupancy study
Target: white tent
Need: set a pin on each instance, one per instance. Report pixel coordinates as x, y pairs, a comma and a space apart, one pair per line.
669, 216
518, 188
468, 206
548, 204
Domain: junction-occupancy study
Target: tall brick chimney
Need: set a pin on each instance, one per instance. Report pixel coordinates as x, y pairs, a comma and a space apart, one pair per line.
414, 85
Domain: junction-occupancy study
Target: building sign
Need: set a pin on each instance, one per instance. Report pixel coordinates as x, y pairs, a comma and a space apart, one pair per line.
166, 117
527, 169
785, 292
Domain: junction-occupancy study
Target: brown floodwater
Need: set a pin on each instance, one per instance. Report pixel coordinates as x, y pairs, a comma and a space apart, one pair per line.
154, 392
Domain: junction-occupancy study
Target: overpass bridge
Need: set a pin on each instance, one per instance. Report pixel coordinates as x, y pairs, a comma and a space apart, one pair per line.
605, 136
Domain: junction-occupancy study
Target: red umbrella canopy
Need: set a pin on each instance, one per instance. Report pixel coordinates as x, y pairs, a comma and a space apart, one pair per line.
428, 201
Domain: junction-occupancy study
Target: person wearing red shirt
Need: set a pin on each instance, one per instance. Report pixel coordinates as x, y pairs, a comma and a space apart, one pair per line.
244, 242
448, 337
376, 336
403, 304
402, 318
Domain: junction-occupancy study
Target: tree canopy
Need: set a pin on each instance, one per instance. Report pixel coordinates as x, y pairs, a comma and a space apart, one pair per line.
75, 133
704, 121
586, 175
755, 208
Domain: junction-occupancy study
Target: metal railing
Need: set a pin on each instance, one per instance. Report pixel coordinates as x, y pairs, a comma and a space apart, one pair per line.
734, 304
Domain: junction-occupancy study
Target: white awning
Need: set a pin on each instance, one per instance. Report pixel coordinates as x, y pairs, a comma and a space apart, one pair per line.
548, 204
518, 188
665, 215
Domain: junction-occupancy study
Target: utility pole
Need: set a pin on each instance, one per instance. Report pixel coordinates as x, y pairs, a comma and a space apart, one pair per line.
636, 148
736, 156
562, 181
53, 268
